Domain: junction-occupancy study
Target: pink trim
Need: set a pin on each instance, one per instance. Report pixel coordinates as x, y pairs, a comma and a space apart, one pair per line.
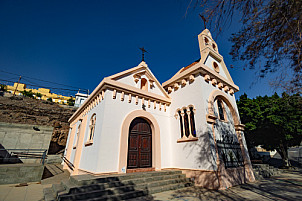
156, 150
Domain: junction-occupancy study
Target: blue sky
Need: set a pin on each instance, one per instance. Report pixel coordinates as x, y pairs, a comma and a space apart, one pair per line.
78, 43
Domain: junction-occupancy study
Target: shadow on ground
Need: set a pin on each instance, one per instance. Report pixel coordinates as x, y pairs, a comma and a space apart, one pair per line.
288, 186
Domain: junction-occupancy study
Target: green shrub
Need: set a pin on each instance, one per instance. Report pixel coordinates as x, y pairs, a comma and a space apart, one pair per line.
39, 95
28, 93
70, 101
3, 87
49, 99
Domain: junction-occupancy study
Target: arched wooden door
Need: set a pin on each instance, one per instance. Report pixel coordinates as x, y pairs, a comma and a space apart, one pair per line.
139, 144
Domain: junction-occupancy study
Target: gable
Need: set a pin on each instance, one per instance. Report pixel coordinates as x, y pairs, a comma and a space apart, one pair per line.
210, 62
141, 78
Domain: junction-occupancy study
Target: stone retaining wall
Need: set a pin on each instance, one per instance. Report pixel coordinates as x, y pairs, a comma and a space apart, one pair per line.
20, 173
24, 136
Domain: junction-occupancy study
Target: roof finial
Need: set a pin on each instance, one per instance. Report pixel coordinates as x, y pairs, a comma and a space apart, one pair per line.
143, 53
204, 21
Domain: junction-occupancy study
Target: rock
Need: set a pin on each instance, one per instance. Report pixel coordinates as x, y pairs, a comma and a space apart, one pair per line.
37, 112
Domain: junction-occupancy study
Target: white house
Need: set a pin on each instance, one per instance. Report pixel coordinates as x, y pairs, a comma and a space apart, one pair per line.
133, 123
79, 99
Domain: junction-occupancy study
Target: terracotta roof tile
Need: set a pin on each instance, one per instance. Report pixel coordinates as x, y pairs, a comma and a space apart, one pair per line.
189, 66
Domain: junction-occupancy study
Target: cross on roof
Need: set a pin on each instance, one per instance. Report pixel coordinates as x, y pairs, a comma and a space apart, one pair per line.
143, 53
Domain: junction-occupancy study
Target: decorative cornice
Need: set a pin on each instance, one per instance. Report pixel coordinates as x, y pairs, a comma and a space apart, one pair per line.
117, 87
239, 127
208, 74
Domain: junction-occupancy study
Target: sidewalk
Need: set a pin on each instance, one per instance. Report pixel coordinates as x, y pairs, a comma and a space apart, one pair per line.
287, 186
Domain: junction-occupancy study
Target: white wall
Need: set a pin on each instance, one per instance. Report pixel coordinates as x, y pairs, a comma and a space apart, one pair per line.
194, 154
91, 153
72, 155
103, 155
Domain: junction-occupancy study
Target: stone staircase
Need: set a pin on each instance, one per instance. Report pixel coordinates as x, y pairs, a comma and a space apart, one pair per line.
54, 169
116, 187
264, 171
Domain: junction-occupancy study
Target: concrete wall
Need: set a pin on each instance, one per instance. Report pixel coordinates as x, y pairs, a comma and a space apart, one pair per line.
20, 173
23, 136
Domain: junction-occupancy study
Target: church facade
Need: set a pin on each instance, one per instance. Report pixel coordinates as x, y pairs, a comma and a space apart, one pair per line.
132, 123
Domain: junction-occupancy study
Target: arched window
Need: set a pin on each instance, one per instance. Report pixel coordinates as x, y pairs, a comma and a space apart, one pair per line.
181, 124
221, 112
206, 41
192, 121
144, 84
214, 46
91, 130
187, 124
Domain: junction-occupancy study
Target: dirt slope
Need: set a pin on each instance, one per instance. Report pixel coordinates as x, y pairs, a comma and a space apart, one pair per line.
26, 110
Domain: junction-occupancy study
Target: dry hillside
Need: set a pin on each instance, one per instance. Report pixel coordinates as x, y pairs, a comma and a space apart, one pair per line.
26, 110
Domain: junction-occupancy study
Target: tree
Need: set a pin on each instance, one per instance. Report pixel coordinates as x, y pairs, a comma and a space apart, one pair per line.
273, 122
49, 99
70, 101
39, 95
29, 93
270, 36
3, 87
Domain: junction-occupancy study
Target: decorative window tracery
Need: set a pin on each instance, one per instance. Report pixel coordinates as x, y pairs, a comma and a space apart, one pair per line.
91, 130
187, 123
77, 135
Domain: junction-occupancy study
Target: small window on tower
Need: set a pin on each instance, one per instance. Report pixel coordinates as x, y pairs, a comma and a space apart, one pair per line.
206, 41
144, 84
214, 46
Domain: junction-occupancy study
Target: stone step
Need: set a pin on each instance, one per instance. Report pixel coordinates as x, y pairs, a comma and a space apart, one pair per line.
162, 183
117, 187
89, 179
125, 192
49, 194
124, 196
102, 195
168, 187
264, 171
54, 169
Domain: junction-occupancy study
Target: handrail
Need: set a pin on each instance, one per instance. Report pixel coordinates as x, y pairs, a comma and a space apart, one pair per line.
15, 155
68, 163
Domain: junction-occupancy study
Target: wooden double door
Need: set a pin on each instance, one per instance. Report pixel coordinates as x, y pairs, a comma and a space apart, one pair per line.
139, 144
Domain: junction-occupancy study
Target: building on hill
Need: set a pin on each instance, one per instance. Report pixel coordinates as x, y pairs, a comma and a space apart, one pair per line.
46, 94
79, 99
132, 123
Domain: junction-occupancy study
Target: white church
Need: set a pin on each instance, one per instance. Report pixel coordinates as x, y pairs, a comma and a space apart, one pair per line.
132, 123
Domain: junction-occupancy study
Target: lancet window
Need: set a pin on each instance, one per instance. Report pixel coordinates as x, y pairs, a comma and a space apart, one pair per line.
221, 111
144, 84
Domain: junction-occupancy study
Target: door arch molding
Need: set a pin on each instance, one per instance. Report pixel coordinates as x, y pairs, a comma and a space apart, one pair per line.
156, 148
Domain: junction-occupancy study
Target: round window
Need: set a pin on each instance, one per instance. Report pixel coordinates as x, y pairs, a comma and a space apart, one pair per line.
216, 67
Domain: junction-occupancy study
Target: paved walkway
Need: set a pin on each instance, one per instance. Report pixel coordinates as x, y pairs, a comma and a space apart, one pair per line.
287, 186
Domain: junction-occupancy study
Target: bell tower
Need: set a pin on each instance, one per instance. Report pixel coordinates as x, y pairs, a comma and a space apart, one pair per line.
206, 42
